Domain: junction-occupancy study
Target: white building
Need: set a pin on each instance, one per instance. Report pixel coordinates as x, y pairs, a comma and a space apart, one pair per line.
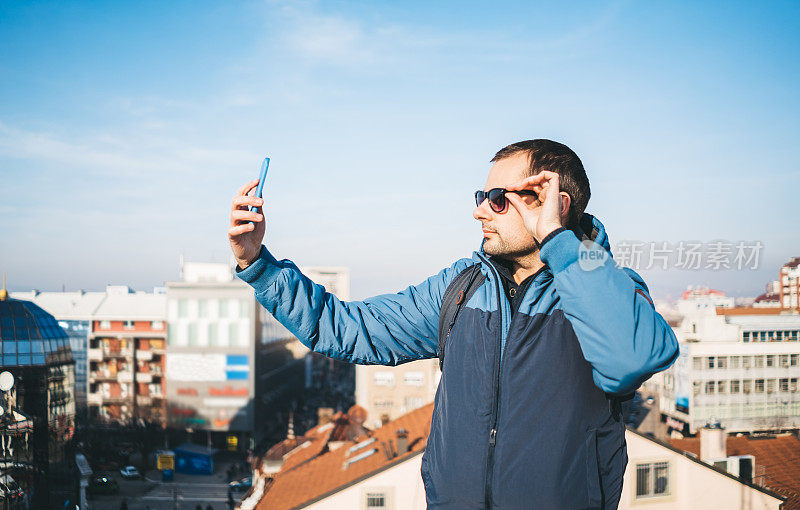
738, 366
213, 332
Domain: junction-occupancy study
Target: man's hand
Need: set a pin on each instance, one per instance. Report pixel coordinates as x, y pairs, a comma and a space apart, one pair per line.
246, 237
548, 213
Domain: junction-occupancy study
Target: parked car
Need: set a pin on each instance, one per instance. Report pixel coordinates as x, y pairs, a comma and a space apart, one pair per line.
103, 485
130, 472
242, 484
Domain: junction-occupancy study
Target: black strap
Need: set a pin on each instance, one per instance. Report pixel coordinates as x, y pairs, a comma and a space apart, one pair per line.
455, 296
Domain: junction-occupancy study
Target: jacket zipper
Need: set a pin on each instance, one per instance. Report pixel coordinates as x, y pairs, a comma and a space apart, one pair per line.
498, 367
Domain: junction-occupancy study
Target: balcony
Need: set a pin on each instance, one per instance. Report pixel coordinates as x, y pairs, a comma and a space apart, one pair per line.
144, 400
144, 377
125, 377
94, 354
94, 399
144, 355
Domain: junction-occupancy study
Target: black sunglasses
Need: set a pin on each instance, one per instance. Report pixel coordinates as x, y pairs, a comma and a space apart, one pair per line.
497, 197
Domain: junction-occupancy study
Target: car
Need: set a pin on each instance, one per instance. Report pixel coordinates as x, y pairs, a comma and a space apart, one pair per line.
243, 484
102, 484
129, 472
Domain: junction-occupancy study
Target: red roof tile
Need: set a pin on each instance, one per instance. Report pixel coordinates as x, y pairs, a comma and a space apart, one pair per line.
320, 468
779, 455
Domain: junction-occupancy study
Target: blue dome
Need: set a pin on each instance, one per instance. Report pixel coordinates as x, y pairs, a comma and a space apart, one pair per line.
29, 336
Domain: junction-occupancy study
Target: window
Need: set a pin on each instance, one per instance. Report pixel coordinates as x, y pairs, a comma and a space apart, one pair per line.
721, 387
202, 308
697, 363
747, 386
746, 336
233, 333
413, 403
383, 404
735, 386
793, 360
783, 360
770, 360
696, 386
414, 378
213, 334
376, 500
244, 309
759, 385
157, 325
747, 361
128, 324
722, 362
710, 362
709, 387
772, 385
183, 308
652, 479
105, 324
384, 378
758, 361
784, 385
192, 333
736, 361
793, 384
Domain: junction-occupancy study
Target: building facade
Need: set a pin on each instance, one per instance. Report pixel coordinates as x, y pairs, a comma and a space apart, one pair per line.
126, 358
214, 330
738, 366
789, 284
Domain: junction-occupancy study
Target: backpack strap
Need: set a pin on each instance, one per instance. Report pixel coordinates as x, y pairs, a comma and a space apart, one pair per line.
455, 297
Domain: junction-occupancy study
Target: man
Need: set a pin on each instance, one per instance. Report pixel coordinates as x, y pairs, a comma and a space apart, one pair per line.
527, 410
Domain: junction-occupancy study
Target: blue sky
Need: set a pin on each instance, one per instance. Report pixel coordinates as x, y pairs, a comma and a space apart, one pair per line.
126, 128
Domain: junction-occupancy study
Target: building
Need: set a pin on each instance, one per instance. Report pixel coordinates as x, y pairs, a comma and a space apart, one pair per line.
126, 357
388, 392
73, 311
790, 284
737, 365
214, 331
771, 461
37, 422
328, 468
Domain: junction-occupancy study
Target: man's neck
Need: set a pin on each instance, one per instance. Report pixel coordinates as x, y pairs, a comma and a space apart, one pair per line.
523, 267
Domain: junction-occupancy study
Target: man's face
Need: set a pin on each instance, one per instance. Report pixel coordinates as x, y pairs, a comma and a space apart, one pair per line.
504, 232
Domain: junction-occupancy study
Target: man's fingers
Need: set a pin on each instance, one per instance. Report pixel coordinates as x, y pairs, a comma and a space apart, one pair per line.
243, 201
532, 180
244, 190
240, 229
245, 215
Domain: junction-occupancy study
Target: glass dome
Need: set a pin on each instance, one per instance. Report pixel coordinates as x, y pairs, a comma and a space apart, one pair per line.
29, 336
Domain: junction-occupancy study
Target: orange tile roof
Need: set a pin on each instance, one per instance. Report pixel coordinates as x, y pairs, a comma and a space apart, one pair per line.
319, 468
780, 456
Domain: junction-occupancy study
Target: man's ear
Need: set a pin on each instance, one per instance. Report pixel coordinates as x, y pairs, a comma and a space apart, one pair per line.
566, 201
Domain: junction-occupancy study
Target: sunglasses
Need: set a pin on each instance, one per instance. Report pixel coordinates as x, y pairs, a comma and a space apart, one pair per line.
497, 197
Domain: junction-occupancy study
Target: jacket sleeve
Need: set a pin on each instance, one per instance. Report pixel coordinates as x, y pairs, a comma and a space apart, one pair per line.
388, 329
620, 333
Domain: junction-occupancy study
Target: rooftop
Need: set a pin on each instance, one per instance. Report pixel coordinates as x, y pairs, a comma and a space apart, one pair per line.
780, 456
326, 460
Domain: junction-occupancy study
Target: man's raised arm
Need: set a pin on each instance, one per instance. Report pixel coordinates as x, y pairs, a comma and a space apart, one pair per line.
387, 330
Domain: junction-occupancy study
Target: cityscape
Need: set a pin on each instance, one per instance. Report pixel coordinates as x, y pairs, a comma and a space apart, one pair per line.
193, 393
630, 341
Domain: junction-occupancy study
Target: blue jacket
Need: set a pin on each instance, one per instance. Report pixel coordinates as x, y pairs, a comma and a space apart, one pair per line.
524, 415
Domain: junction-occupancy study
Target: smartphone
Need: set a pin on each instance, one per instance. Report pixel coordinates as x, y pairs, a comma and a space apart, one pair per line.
261, 178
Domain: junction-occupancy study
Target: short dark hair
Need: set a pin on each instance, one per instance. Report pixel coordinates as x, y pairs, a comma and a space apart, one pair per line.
555, 157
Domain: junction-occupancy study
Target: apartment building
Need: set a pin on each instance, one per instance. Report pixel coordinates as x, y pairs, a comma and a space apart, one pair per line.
789, 284
737, 365
126, 357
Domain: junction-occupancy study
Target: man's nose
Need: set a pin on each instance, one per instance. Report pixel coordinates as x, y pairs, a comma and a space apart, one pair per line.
482, 212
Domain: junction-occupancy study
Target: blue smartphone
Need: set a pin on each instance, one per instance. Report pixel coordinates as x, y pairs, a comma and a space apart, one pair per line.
261, 178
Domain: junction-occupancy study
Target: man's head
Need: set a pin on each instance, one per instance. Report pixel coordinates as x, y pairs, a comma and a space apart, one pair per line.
505, 233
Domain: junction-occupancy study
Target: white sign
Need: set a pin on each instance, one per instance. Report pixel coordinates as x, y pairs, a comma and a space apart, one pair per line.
196, 367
